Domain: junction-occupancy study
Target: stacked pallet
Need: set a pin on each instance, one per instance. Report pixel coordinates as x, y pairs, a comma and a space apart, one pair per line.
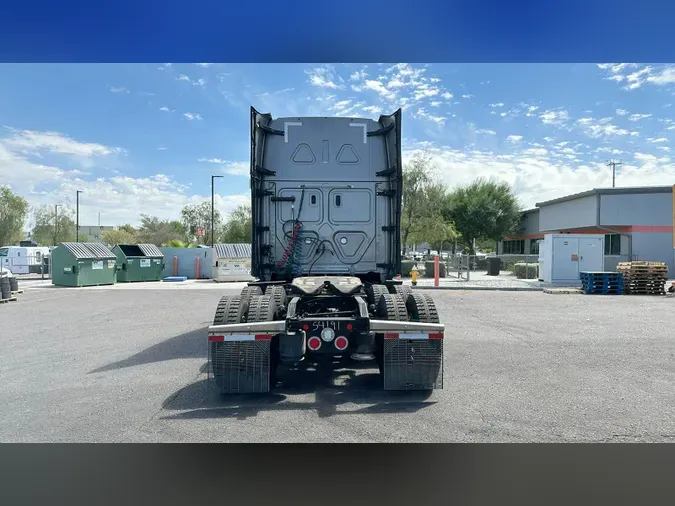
605, 283
644, 278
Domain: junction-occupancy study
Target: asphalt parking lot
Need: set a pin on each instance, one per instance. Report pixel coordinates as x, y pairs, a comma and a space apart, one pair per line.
115, 365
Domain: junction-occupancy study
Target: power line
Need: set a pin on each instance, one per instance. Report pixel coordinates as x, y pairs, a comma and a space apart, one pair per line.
613, 164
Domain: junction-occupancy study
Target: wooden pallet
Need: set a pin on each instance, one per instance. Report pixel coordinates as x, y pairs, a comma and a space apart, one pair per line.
11, 299
15, 292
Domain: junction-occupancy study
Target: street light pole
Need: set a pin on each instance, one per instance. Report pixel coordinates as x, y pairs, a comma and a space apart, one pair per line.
56, 222
77, 215
213, 212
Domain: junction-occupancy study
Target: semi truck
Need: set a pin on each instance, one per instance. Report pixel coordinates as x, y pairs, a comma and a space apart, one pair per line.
326, 258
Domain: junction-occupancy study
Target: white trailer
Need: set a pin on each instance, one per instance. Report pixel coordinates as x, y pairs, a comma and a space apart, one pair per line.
22, 260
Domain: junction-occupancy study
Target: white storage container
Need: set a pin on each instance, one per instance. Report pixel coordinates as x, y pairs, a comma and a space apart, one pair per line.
563, 256
232, 262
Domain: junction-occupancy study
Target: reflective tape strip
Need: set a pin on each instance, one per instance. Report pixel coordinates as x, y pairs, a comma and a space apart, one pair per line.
240, 337
393, 335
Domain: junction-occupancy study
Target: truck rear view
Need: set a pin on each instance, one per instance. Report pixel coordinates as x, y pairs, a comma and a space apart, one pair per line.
326, 207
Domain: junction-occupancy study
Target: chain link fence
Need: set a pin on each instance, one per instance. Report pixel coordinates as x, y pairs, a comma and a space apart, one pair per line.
28, 267
463, 267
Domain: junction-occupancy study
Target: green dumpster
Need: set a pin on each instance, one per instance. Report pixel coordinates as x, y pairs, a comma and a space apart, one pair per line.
138, 262
83, 264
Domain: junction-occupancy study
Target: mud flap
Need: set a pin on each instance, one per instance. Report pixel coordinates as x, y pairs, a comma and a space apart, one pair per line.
414, 363
240, 366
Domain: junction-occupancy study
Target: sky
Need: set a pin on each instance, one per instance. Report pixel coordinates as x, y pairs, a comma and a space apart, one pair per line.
146, 138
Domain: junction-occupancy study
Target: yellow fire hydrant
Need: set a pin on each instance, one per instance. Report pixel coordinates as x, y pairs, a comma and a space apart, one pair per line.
414, 273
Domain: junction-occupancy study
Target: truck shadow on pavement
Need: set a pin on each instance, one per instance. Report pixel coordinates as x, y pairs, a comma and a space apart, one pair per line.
338, 389
188, 345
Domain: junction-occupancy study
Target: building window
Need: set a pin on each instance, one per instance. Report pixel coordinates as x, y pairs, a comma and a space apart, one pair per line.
516, 247
534, 246
612, 244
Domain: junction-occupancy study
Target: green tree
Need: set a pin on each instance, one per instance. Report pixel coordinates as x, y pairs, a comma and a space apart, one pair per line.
237, 229
13, 211
432, 227
198, 216
418, 178
154, 230
51, 227
484, 209
120, 236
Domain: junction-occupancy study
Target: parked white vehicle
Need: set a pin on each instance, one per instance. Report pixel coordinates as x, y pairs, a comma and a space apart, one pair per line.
19, 260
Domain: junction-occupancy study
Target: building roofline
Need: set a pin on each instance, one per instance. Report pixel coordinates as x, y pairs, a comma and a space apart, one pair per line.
608, 191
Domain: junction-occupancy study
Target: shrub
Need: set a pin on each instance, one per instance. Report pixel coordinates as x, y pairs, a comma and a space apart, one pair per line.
429, 270
526, 271
406, 267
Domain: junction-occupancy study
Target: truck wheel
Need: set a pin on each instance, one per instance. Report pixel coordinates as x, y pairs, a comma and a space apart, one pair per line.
392, 307
278, 293
261, 308
231, 309
374, 292
250, 291
421, 308
403, 291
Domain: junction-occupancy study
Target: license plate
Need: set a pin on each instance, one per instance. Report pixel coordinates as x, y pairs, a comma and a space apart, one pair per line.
322, 324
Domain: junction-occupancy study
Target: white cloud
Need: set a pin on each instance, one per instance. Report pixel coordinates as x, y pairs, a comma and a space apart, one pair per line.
660, 139
422, 113
33, 143
119, 89
485, 131
120, 199
530, 110
204, 64
325, 77
199, 82
638, 117
192, 116
536, 151
166, 109
514, 138
467, 95
500, 104
162, 148
621, 112
447, 95
359, 75
379, 88
233, 168
537, 175
212, 160
237, 168
373, 109
554, 117
634, 79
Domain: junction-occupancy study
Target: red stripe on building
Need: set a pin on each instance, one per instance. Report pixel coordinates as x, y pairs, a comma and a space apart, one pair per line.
655, 229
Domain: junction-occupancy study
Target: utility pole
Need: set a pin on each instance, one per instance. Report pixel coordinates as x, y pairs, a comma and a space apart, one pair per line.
613, 164
56, 222
213, 207
77, 215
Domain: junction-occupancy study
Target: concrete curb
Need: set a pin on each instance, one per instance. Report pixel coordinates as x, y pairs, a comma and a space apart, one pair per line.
563, 291
484, 288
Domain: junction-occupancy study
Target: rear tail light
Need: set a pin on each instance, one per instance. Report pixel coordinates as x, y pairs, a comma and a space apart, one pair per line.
314, 343
341, 343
